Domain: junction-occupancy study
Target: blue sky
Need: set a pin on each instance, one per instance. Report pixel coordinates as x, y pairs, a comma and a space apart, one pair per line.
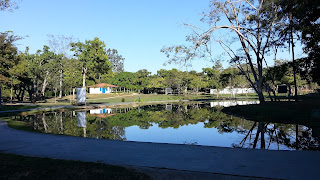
137, 29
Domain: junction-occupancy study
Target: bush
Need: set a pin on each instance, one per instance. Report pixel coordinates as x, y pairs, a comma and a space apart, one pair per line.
123, 100
137, 100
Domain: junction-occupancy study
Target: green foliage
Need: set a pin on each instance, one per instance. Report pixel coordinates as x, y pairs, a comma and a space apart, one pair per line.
8, 54
282, 73
92, 57
7, 5
116, 60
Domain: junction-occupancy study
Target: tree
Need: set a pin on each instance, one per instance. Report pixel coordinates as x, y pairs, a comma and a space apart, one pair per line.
8, 56
116, 60
142, 79
251, 23
42, 66
60, 46
282, 73
8, 5
92, 57
72, 73
305, 19
213, 76
125, 80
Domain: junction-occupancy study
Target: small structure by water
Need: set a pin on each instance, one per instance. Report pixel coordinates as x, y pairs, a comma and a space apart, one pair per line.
102, 88
81, 96
230, 90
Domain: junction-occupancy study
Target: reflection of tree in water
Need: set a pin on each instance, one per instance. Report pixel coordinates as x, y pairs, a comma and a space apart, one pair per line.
255, 134
66, 123
289, 135
100, 128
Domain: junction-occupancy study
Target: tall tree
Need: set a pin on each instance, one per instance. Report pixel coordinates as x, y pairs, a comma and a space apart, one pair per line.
305, 20
8, 56
116, 59
60, 45
92, 56
251, 23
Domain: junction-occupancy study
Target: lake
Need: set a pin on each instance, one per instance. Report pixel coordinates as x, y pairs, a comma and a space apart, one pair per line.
179, 123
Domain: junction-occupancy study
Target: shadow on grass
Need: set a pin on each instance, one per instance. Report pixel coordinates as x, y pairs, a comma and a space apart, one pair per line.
22, 167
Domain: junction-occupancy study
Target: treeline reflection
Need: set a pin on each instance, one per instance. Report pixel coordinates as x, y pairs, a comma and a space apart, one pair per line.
111, 124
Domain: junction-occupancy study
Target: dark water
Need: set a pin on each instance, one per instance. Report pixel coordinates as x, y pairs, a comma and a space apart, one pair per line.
194, 124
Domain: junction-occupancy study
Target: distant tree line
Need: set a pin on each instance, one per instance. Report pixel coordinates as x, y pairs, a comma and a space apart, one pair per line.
50, 72
53, 73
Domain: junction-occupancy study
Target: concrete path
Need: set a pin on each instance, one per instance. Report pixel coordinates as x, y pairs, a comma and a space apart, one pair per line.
221, 161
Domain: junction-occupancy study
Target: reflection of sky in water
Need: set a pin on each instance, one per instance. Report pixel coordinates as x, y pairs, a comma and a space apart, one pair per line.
191, 134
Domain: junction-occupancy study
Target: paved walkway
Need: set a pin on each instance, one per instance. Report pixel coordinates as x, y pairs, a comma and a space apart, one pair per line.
217, 160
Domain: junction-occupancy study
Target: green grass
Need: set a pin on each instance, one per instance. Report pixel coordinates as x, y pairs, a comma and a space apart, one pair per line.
20, 125
134, 98
303, 112
22, 167
162, 97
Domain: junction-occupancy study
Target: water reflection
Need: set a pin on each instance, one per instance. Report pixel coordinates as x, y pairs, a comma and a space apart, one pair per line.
232, 103
82, 121
202, 124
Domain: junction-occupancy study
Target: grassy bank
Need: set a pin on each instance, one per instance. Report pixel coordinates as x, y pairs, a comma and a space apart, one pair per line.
22, 167
118, 98
303, 112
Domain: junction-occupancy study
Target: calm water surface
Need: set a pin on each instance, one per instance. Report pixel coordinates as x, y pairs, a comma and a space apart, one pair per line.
194, 124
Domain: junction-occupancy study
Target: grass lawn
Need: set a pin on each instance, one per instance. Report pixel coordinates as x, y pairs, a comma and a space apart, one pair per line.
306, 111
22, 167
159, 97
134, 98
20, 125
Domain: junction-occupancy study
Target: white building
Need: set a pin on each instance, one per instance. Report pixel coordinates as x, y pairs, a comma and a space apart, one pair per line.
229, 90
101, 111
102, 88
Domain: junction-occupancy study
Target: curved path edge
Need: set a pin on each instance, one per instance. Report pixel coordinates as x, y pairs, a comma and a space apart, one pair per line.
217, 160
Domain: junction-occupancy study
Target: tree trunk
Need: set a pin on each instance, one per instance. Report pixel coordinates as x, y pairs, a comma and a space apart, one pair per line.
34, 89
289, 93
60, 85
45, 125
73, 92
263, 142
259, 89
45, 83
84, 72
11, 92
55, 95
293, 61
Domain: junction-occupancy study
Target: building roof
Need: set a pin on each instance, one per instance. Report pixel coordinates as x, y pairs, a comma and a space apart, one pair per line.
101, 85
